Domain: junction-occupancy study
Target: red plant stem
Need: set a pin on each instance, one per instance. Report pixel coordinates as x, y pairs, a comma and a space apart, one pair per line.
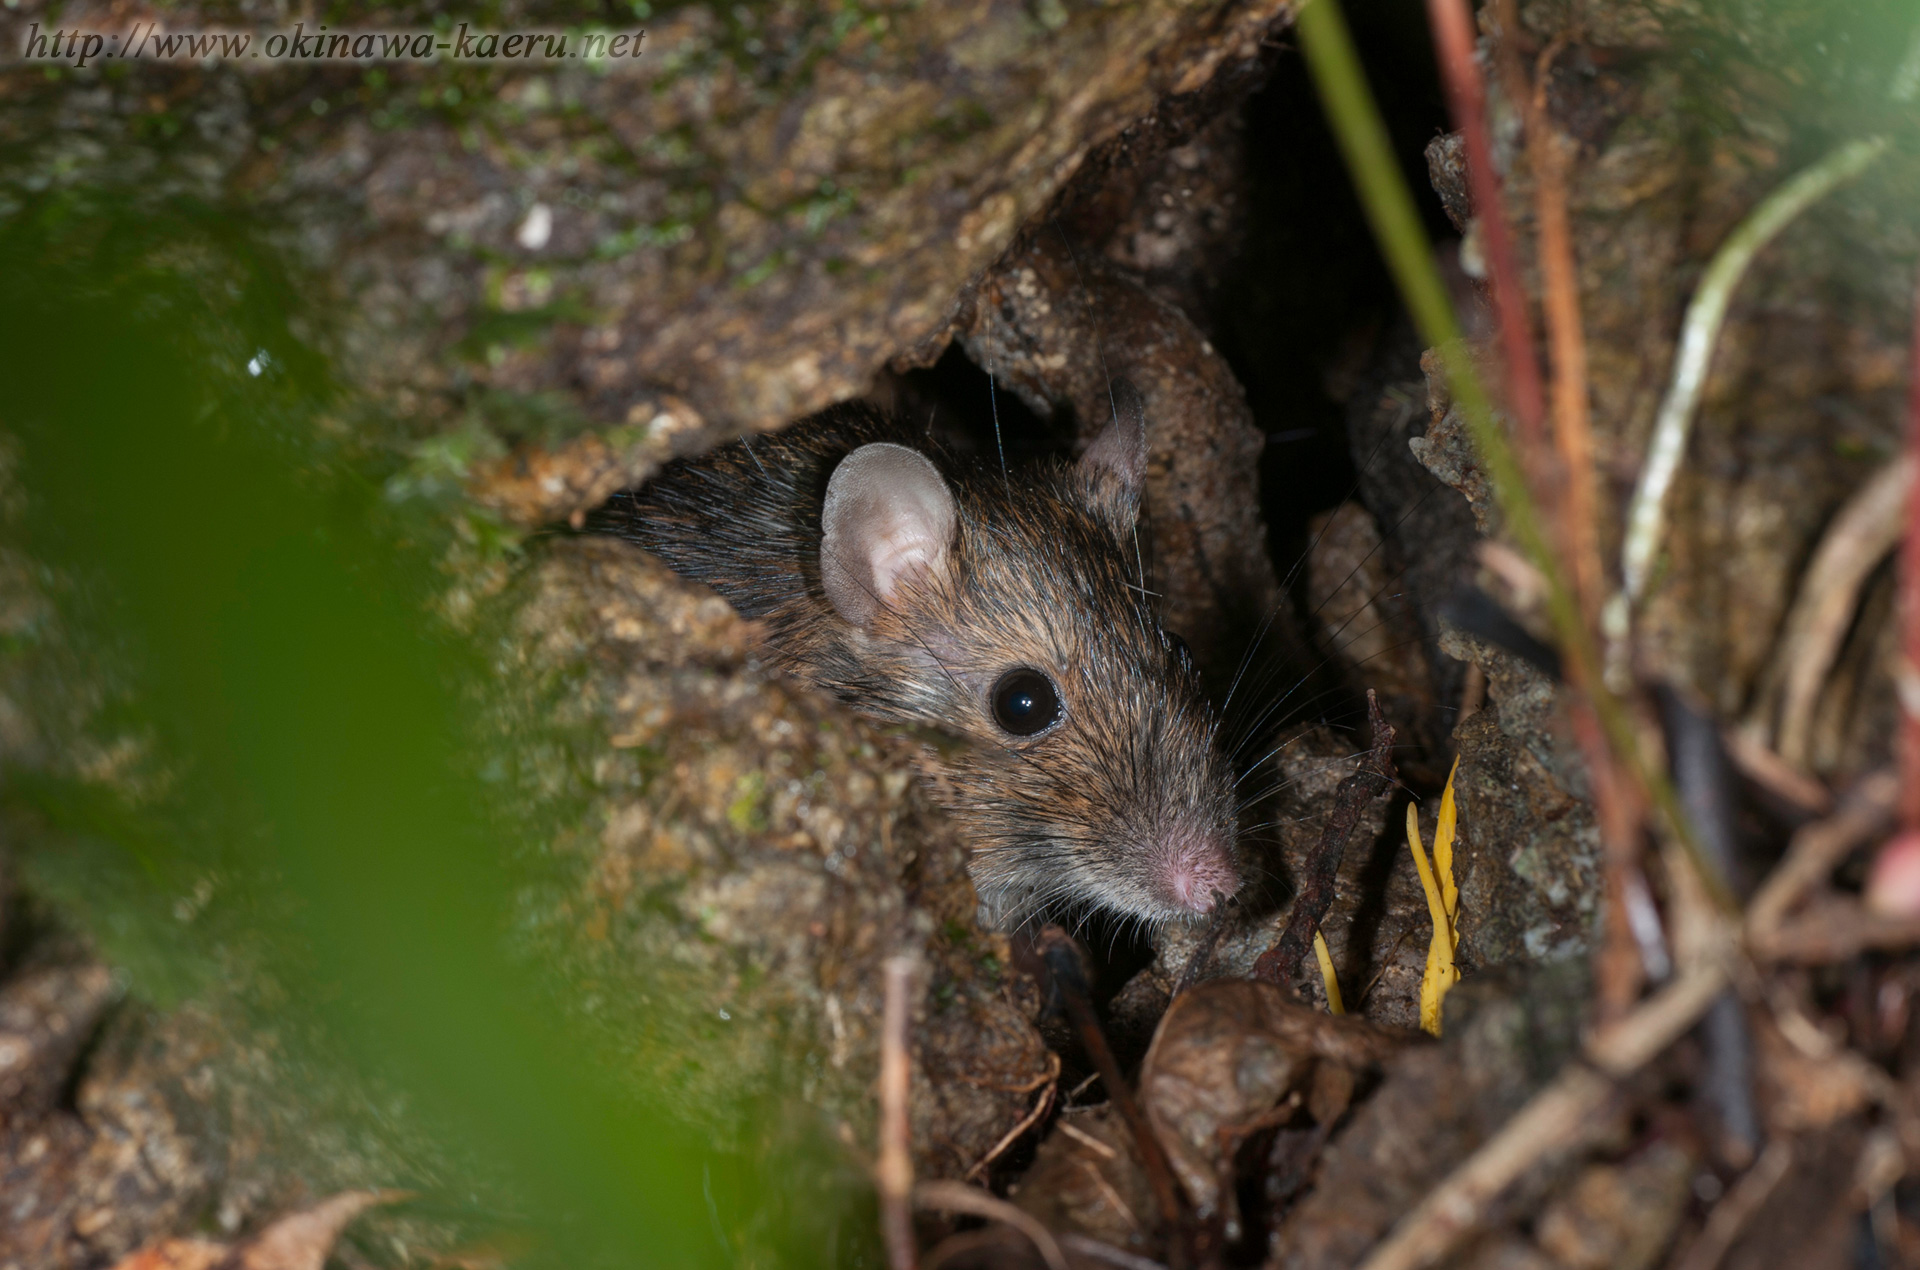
1453, 37
1910, 606
1618, 967
1560, 282
1618, 971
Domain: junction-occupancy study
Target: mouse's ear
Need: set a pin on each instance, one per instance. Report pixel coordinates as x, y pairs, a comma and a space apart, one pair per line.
888, 516
1117, 459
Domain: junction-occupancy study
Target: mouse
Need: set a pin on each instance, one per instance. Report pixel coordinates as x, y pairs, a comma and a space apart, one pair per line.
1005, 607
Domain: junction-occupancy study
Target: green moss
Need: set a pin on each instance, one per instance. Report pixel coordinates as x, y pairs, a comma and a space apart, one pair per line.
649, 764
438, 467
959, 120
665, 233
133, 908
500, 329
828, 203
491, 538
747, 812
547, 418
157, 126
762, 270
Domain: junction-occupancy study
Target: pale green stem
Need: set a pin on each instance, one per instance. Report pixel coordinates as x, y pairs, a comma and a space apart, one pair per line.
1698, 334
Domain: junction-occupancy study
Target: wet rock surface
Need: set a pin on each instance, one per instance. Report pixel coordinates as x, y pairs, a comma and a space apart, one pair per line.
122, 1126
748, 854
737, 227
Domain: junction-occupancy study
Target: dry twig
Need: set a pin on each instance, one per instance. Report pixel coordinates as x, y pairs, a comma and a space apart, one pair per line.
1281, 963
1662, 1019
1737, 1207
957, 1197
1088, 1141
1763, 767
894, 1171
1554, 1119
1816, 850
1835, 928
1909, 671
1867, 528
1106, 1252
1558, 1118
1560, 301
1041, 1106
1062, 958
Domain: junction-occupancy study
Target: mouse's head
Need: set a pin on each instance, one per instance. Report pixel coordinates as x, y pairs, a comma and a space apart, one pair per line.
1008, 610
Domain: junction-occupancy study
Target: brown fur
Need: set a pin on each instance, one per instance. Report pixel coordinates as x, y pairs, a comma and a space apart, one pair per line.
1090, 813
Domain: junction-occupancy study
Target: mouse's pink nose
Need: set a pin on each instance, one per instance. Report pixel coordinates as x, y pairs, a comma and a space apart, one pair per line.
1195, 868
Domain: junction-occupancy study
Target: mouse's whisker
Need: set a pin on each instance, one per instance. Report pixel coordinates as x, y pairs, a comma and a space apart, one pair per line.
1253, 645
1359, 477
1365, 605
1253, 730
1358, 713
1276, 823
1378, 545
1301, 561
1338, 761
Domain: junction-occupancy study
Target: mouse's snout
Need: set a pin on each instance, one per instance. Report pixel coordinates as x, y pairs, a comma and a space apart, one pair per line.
1194, 869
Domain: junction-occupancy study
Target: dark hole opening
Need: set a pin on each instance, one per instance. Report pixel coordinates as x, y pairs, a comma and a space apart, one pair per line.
1304, 313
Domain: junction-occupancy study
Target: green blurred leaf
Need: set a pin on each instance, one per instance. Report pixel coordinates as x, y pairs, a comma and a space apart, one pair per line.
327, 803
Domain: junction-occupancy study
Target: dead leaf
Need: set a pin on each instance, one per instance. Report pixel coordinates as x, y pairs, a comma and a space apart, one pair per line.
176, 1254
1087, 1179
299, 1241
1230, 1051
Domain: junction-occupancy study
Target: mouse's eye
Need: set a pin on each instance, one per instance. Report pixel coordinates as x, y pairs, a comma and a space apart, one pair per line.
1024, 702
1182, 655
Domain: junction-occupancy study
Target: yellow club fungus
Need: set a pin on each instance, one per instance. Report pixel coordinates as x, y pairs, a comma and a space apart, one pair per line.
1334, 1004
1443, 905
